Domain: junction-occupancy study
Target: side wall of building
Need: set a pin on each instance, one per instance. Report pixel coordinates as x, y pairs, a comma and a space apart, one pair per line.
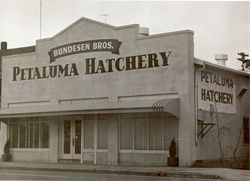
228, 126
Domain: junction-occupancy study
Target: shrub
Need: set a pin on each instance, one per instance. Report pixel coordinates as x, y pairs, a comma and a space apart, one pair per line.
172, 148
7, 147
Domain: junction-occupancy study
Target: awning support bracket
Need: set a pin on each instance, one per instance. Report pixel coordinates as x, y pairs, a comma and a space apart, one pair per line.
205, 128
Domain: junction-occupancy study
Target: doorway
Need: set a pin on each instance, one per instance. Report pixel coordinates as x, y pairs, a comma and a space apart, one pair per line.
72, 137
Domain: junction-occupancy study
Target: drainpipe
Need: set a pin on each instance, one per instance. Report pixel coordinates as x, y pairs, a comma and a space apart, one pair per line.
196, 99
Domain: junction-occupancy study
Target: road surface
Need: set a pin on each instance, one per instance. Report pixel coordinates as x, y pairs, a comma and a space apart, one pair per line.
6, 174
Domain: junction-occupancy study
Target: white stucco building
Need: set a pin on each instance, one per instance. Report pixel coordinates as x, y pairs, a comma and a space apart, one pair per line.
101, 94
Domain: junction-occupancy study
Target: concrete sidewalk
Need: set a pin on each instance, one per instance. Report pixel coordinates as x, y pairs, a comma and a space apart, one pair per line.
180, 172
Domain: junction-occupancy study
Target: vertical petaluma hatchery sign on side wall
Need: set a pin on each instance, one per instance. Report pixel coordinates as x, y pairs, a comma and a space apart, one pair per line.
218, 89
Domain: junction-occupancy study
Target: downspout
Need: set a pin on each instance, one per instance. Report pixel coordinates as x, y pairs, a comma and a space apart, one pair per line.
196, 98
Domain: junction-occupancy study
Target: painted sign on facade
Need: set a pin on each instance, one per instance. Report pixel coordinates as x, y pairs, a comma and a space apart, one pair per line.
217, 89
93, 66
111, 45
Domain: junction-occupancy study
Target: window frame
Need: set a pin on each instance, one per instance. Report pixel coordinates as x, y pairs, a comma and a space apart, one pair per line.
29, 135
246, 130
147, 119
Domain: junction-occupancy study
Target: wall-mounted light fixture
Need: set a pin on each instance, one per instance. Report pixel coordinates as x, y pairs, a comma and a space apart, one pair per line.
242, 91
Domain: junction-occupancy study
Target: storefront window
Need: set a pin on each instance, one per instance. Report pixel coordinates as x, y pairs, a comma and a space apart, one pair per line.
147, 131
102, 134
89, 134
33, 133
44, 134
23, 134
126, 134
155, 134
29, 133
36, 134
14, 134
141, 134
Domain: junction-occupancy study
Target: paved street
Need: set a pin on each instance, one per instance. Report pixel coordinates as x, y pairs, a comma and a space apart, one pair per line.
6, 174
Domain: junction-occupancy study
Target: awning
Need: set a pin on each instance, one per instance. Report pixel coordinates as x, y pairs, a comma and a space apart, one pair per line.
170, 105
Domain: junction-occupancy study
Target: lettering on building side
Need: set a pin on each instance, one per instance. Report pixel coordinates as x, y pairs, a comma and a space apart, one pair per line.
216, 96
216, 87
93, 66
111, 45
217, 79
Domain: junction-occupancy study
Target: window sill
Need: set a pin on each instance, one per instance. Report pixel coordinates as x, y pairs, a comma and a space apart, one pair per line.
30, 149
145, 151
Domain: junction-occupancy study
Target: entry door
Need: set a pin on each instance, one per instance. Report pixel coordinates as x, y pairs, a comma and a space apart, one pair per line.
72, 138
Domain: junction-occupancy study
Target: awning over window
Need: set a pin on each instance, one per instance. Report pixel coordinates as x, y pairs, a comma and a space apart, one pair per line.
170, 105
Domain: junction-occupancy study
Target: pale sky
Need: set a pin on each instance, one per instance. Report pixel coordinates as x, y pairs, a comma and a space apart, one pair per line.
219, 27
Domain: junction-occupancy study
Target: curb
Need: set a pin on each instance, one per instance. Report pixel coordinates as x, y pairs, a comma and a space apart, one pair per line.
120, 172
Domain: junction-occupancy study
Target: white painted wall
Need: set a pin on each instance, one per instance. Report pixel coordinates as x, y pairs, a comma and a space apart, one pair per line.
230, 123
34, 155
177, 78
3, 137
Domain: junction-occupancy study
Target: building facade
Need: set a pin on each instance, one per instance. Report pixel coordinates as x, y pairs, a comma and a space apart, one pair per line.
101, 94
223, 112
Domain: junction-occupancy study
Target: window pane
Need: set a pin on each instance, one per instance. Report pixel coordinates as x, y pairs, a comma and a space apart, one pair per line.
102, 134
155, 134
89, 134
246, 130
30, 134
67, 132
14, 134
36, 133
141, 134
78, 136
23, 134
126, 134
44, 134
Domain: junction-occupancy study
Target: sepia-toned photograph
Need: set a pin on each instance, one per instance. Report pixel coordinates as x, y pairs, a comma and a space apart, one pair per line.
124, 90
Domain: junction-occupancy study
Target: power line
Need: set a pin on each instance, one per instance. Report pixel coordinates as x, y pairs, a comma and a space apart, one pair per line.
40, 19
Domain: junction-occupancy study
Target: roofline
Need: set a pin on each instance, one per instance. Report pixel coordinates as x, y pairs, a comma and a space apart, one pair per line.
19, 55
203, 62
166, 34
116, 28
95, 22
32, 49
92, 21
17, 51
